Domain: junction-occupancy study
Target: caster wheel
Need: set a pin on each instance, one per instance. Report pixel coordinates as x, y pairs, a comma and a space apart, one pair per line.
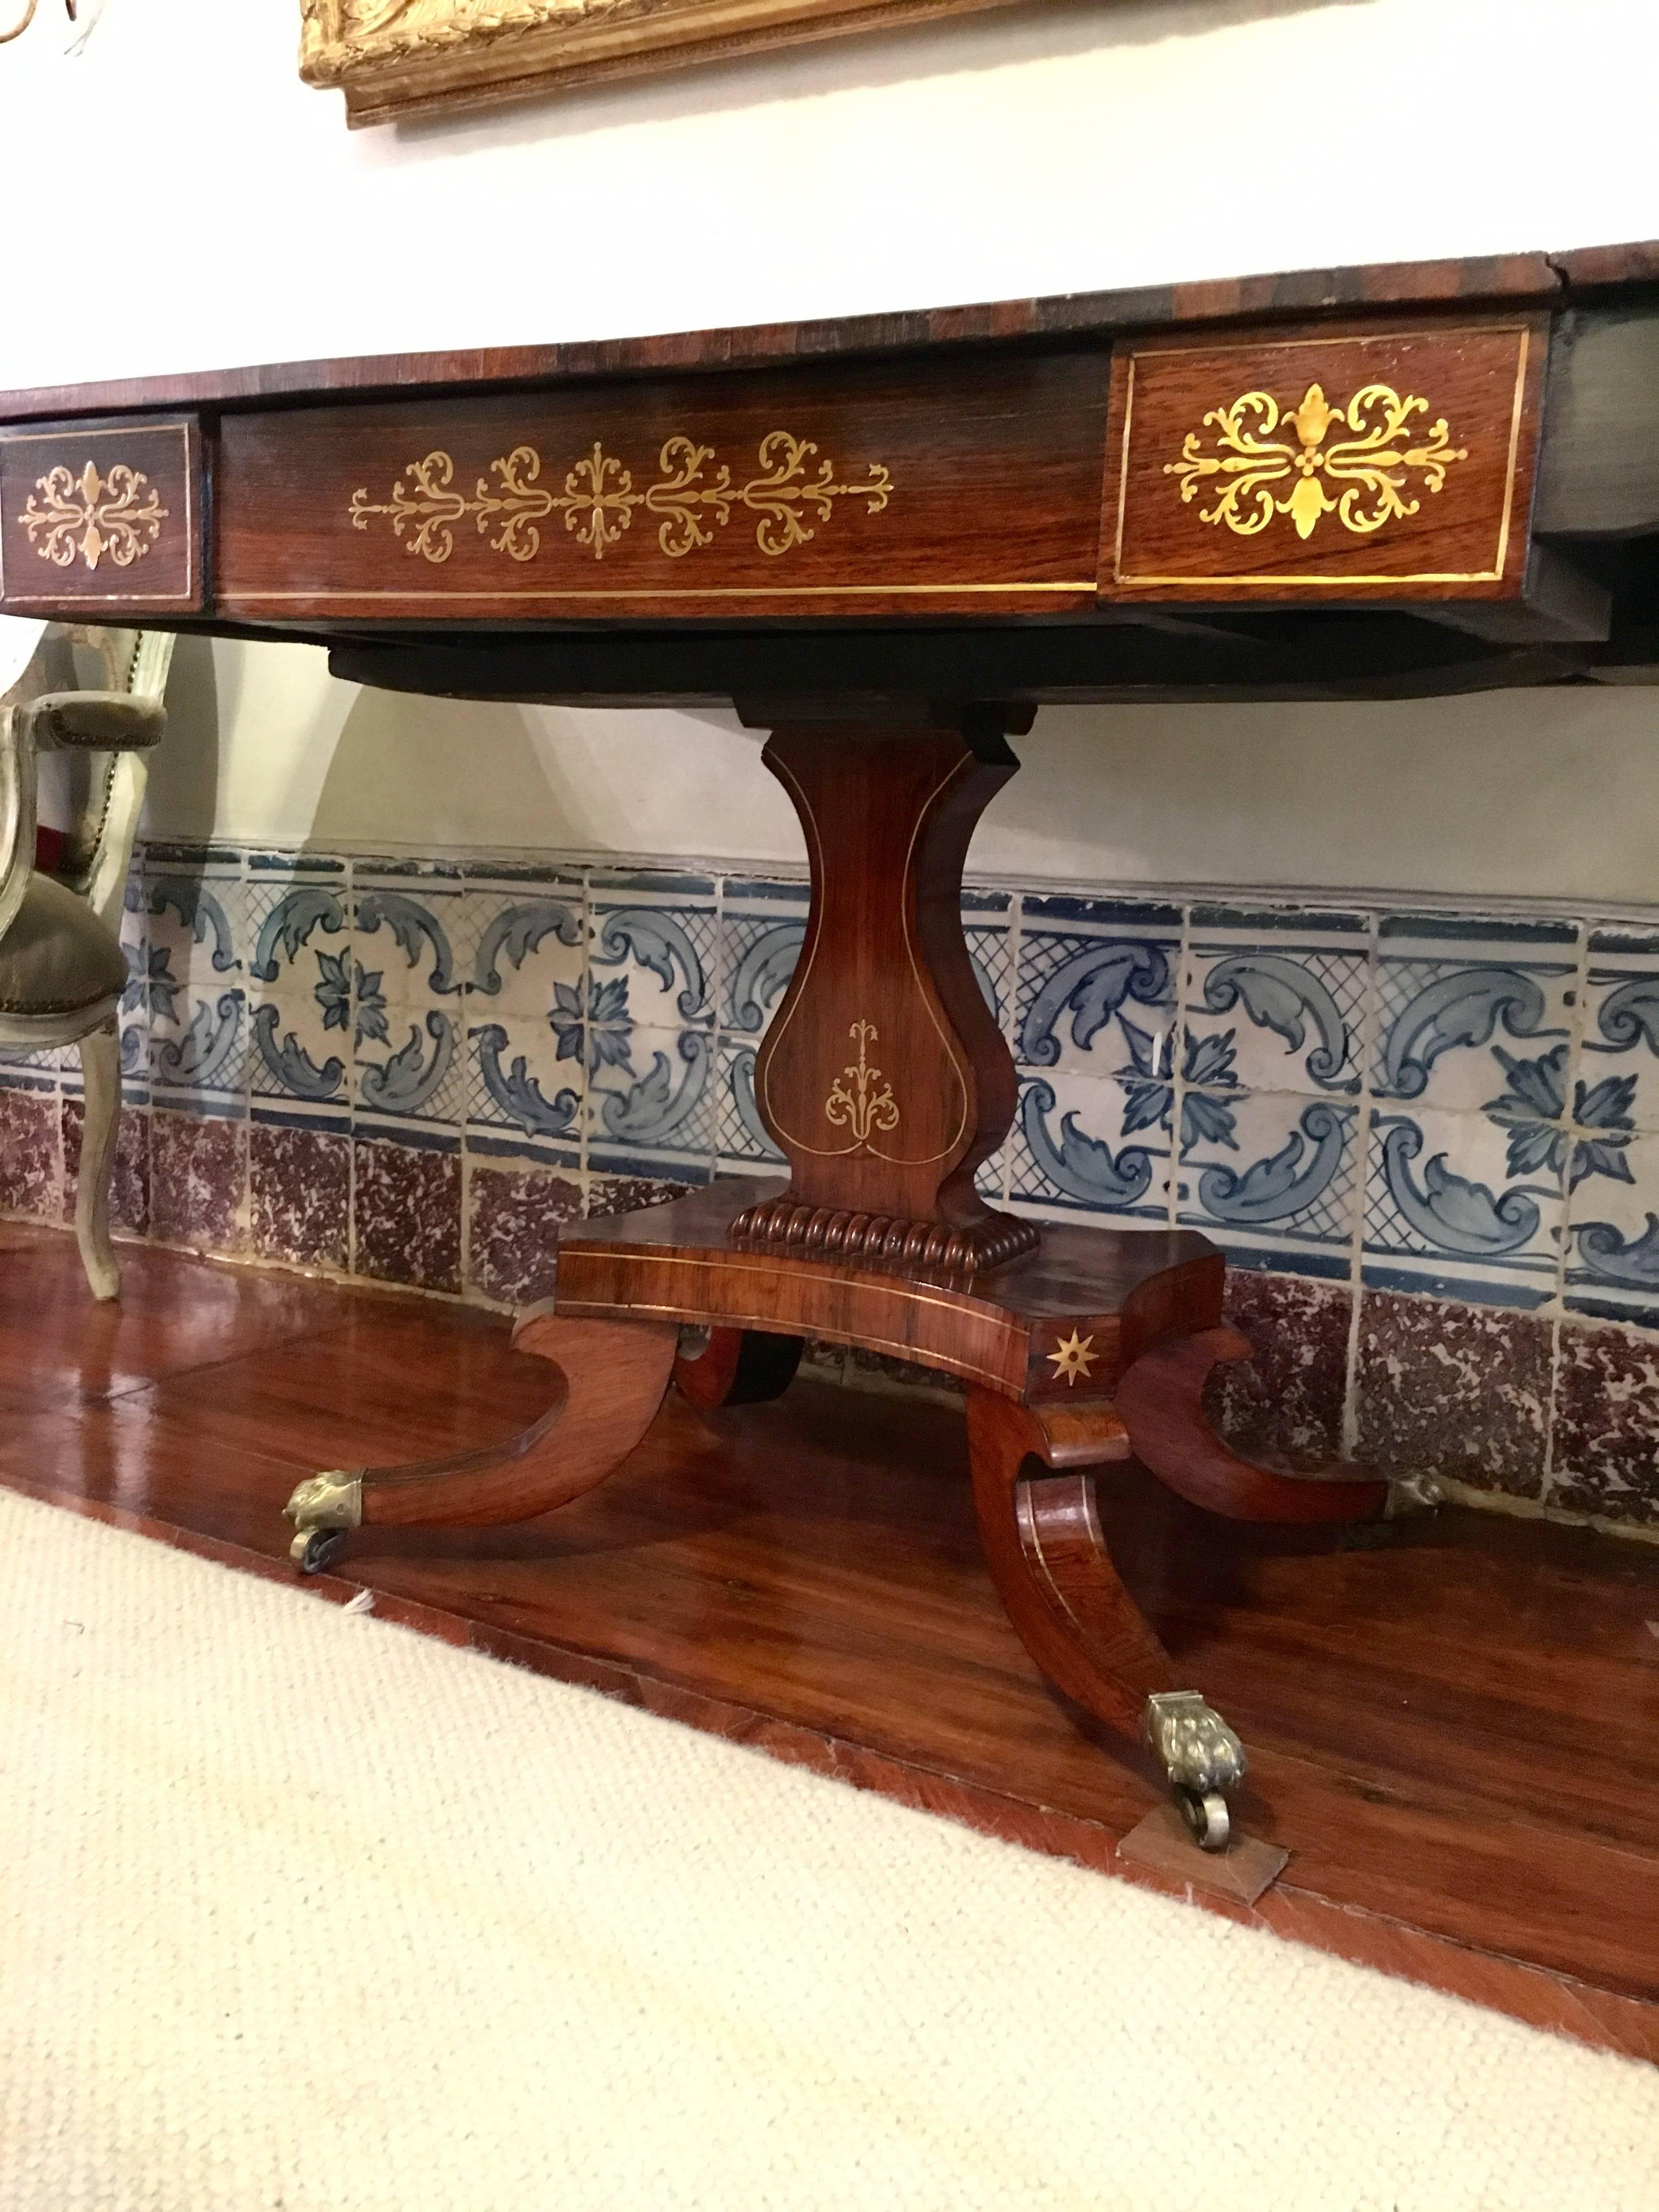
314, 1549
1206, 1818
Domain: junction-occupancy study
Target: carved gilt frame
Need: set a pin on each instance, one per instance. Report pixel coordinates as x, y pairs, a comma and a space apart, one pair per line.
411, 58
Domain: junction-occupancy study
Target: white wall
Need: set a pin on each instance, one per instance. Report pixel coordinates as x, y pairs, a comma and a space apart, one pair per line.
187, 202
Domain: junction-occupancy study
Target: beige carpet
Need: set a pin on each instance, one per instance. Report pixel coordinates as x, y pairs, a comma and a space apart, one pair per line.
305, 1911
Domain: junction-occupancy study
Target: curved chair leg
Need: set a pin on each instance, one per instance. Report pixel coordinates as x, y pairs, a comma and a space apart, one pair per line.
1049, 1559
100, 1077
1160, 1401
610, 1378
738, 1367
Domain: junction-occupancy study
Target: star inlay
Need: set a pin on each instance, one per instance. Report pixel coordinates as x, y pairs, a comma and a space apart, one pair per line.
1074, 1357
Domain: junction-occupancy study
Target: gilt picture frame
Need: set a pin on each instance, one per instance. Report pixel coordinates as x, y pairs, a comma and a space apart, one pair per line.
396, 58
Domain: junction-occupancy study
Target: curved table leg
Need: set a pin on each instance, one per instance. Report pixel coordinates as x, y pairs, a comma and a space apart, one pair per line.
738, 1367
610, 1377
1049, 1559
1160, 1402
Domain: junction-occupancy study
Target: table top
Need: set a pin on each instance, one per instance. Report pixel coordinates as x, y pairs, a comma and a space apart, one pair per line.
1386, 480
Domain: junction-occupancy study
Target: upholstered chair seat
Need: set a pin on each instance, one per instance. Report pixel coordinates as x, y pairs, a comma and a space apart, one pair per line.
57, 957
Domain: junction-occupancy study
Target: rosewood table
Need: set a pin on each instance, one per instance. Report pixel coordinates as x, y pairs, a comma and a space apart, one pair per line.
887, 542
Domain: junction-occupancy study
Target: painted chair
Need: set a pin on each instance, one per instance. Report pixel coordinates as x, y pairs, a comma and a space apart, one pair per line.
63, 973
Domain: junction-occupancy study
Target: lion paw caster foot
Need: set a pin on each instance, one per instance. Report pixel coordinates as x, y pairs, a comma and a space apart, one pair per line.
325, 1509
1202, 1758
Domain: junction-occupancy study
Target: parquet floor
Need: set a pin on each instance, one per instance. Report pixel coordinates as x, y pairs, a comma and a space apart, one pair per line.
1454, 1723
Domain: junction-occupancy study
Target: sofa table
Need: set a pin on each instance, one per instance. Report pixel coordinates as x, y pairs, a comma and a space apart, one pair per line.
887, 542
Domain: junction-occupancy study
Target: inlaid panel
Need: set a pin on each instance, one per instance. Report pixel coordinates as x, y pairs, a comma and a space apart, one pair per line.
1338, 464
101, 515
971, 484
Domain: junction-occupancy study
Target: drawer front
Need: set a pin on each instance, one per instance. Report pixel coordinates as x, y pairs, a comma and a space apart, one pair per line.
966, 485
102, 517
1362, 464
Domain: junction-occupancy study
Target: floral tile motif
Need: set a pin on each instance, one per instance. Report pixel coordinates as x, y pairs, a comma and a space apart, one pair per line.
656, 935
196, 919
515, 1216
1620, 1056
985, 919
1096, 987
1613, 1250
299, 981
528, 1044
1082, 1145
1462, 1204
653, 986
1267, 1174
406, 1214
1283, 995
740, 1138
1606, 1445
656, 1103
407, 991
134, 1020
1450, 1391
762, 925
1458, 999
300, 1194
198, 1180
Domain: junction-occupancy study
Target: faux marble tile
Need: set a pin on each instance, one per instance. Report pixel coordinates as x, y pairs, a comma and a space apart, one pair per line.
623, 1194
197, 1181
1459, 998
406, 1207
31, 1154
1606, 1425
1463, 1202
300, 1194
1080, 1144
1451, 1390
1097, 985
515, 1216
128, 1190
1288, 990
1284, 1407
1273, 1177
1612, 1255
1618, 1059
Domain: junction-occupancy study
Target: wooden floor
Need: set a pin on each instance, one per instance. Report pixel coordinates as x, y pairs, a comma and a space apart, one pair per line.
1453, 1723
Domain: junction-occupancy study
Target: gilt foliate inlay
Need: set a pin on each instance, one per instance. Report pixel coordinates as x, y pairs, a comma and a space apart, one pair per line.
693, 496
1370, 469
91, 515
869, 1106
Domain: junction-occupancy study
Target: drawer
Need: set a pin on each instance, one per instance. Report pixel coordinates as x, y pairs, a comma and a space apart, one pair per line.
102, 516
968, 485
1324, 463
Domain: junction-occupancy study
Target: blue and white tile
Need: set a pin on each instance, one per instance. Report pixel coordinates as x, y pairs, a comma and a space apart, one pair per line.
1619, 1063
1082, 1146
653, 1112
134, 1025
655, 936
525, 958
1455, 1205
301, 1000
195, 917
1273, 1177
1613, 1248
409, 1023
762, 926
987, 924
1096, 989
1462, 1001
1288, 989
741, 1143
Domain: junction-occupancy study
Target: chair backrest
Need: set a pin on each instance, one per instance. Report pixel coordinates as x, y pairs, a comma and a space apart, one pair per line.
98, 856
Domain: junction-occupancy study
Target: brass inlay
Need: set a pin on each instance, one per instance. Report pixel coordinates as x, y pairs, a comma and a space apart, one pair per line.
863, 1107
1370, 469
598, 501
1072, 1356
92, 515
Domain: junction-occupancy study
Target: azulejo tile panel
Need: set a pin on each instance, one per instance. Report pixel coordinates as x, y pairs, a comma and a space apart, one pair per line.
195, 913
1096, 988
300, 982
408, 991
1280, 999
653, 985
1271, 1173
